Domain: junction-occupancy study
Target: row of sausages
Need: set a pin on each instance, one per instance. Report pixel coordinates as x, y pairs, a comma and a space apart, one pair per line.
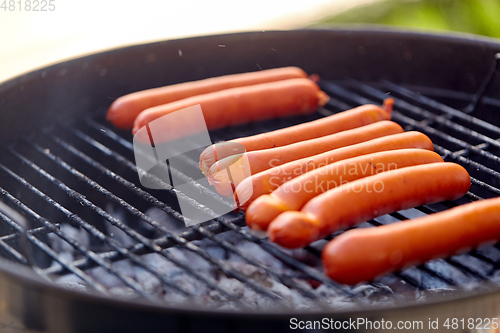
304, 182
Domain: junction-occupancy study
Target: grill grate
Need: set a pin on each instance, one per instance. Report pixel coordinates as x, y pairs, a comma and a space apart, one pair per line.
87, 174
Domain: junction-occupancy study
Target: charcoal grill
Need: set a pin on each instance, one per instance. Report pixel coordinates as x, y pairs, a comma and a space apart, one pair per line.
72, 178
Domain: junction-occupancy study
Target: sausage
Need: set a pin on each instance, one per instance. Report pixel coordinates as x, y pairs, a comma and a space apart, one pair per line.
125, 109
294, 194
267, 181
264, 159
363, 254
261, 160
239, 105
369, 197
342, 121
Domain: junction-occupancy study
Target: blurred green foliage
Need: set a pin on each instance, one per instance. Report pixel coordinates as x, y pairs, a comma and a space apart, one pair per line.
473, 16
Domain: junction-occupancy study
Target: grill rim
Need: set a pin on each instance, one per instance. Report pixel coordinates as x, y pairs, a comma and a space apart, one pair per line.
448, 36
28, 279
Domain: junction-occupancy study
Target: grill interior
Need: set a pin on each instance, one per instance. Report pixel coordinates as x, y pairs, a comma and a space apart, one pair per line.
93, 227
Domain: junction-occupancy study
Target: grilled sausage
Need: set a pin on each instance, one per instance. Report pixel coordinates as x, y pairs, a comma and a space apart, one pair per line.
363, 254
346, 120
366, 198
267, 181
239, 105
261, 160
294, 194
125, 109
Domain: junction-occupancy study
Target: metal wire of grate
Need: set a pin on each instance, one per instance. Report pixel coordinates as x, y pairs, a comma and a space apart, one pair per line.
72, 174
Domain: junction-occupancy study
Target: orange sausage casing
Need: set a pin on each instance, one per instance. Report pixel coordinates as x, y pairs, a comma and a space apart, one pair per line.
125, 109
267, 181
294, 194
240, 105
364, 254
260, 160
342, 121
366, 198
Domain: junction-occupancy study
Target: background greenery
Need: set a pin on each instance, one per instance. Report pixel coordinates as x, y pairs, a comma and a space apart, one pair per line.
473, 16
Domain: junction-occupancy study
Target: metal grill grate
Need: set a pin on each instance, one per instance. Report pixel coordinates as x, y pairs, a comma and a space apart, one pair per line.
77, 186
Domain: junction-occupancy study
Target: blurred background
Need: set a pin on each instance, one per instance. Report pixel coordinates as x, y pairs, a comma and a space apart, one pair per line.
480, 17
31, 38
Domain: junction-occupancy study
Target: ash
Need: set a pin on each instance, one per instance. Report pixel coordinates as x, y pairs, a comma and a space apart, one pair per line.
234, 294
